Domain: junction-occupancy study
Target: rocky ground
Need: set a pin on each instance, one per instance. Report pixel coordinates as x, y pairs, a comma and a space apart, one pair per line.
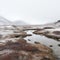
13, 46
50, 33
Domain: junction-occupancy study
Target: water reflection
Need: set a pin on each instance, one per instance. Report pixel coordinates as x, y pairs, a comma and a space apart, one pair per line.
44, 40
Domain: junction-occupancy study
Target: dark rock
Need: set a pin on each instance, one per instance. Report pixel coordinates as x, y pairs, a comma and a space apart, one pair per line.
51, 45
29, 40
48, 28
36, 42
59, 45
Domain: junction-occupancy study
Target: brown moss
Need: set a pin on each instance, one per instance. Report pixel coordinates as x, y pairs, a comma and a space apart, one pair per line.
48, 28
56, 32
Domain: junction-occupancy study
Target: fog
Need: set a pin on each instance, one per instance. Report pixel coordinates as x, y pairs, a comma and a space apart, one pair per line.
31, 11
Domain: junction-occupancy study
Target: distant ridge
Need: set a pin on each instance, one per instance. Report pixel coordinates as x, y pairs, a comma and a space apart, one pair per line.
53, 24
20, 22
4, 21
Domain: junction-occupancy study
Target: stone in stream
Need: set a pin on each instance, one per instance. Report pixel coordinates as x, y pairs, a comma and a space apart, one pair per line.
37, 42
59, 45
51, 45
29, 40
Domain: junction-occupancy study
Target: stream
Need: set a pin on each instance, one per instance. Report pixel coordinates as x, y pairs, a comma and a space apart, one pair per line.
46, 41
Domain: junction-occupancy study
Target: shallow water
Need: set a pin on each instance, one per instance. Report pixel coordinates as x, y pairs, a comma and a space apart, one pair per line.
46, 41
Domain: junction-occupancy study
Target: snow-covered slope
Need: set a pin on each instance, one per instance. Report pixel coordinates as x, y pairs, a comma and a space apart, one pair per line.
53, 24
4, 21
57, 23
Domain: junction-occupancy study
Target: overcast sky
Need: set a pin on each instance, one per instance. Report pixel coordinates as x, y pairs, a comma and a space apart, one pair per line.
31, 11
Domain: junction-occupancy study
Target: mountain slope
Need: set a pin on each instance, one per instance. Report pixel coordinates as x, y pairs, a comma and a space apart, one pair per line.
54, 24
4, 21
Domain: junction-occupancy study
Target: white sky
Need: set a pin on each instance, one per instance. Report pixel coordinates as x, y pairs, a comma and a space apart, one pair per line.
31, 11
